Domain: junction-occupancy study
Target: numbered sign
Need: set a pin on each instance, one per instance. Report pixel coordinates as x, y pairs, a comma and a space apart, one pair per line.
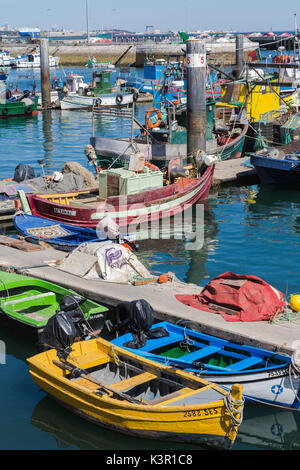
196, 60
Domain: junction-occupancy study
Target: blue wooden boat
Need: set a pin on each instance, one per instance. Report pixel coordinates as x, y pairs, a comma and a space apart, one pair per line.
274, 167
266, 376
60, 236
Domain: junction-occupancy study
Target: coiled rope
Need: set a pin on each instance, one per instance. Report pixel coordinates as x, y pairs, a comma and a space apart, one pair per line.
234, 407
294, 368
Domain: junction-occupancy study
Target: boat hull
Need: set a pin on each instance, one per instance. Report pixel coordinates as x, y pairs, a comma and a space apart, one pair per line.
101, 101
18, 108
31, 302
273, 171
161, 153
125, 211
207, 424
273, 385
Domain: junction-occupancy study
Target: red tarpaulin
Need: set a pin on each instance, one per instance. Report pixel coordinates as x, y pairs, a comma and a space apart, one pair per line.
237, 297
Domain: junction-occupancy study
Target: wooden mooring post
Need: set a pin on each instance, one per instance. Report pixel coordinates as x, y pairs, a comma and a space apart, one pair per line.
45, 73
196, 97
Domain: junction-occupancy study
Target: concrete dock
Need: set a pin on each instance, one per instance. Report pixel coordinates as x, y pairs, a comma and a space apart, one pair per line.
264, 334
233, 172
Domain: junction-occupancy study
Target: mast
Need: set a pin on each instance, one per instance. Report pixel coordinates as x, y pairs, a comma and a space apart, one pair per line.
87, 21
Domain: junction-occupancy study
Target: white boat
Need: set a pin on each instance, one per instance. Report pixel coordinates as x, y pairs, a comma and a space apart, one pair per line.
75, 95
5, 59
74, 101
32, 61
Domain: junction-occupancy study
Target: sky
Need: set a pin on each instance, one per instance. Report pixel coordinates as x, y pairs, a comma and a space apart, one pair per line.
165, 15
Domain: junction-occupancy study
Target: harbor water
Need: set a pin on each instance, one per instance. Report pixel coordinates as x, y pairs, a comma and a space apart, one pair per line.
247, 230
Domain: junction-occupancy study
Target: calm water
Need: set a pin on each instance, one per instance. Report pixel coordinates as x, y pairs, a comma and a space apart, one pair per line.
248, 230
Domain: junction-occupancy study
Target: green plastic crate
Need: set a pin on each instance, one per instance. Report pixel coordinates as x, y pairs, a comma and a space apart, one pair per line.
118, 181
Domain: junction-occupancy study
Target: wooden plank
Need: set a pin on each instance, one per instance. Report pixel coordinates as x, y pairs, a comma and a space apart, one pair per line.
201, 353
19, 244
133, 381
170, 396
245, 363
24, 202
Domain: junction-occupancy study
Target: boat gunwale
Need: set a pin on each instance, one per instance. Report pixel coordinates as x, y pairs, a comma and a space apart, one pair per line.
193, 183
214, 369
49, 371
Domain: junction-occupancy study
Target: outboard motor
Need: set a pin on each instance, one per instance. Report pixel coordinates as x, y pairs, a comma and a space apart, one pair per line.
65, 327
137, 318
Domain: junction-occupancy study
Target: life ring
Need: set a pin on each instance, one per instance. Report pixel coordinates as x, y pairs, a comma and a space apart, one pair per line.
16, 91
28, 110
98, 102
150, 125
151, 166
119, 99
5, 111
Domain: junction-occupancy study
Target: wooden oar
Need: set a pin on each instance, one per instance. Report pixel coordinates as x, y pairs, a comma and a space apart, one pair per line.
65, 365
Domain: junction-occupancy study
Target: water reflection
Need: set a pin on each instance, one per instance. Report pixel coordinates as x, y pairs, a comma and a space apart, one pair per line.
72, 431
265, 427
174, 246
48, 140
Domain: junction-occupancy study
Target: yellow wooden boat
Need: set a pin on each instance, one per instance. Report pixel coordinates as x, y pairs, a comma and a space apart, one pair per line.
119, 390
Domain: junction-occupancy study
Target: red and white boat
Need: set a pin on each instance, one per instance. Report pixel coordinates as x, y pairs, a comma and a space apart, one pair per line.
87, 209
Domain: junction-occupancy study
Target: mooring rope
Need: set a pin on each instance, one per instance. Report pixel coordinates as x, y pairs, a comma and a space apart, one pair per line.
234, 407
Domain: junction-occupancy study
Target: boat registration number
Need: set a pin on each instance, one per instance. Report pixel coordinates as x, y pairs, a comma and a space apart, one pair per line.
278, 372
204, 412
64, 211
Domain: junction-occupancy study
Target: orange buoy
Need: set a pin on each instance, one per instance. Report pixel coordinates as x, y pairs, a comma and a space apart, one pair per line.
163, 278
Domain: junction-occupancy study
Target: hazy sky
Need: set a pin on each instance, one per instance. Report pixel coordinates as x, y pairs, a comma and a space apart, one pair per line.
135, 15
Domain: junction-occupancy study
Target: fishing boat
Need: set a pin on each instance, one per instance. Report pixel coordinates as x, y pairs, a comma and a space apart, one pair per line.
5, 58
32, 61
274, 166
22, 105
31, 302
121, 391
267, 377
127, 197
163, 136
60, 236
77, 94
105, 64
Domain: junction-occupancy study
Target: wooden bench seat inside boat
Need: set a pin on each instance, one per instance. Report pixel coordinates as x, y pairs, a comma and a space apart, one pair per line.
48, 297
131, 382
85, 201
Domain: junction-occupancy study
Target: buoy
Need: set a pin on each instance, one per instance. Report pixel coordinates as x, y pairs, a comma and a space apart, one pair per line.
163, 278
295, 302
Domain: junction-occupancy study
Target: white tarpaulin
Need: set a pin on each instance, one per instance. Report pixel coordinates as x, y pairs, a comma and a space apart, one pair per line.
114, 262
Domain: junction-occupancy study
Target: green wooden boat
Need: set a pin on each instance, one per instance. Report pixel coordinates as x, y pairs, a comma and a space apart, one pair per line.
23, 107
32, 302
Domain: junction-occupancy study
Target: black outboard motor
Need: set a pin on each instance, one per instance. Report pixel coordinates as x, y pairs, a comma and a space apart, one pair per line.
65, 327
137, 318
